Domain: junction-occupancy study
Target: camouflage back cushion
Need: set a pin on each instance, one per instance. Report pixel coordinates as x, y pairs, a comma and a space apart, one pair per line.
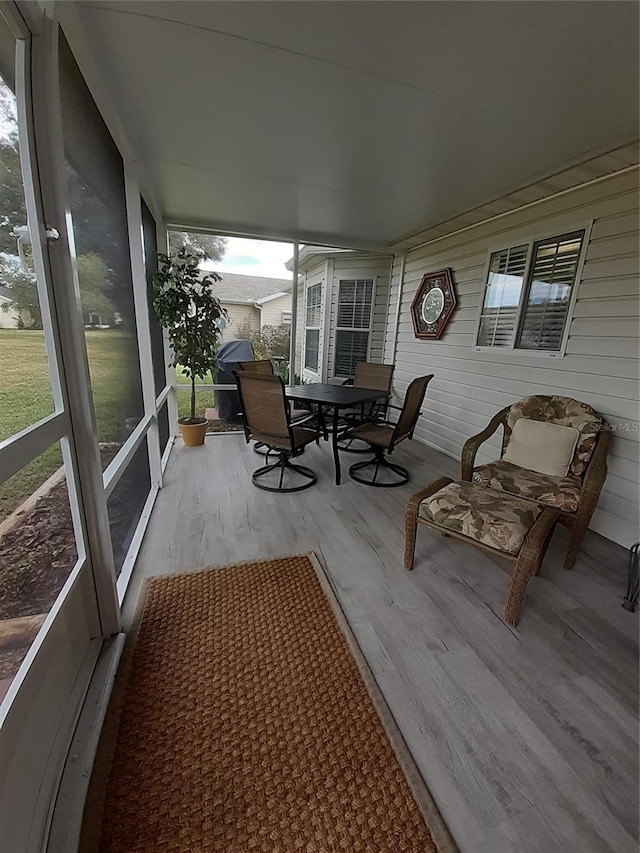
564, 411
484, 515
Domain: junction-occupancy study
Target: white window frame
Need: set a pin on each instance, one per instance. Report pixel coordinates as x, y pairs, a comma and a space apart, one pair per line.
368, 329
529, 241
307, 328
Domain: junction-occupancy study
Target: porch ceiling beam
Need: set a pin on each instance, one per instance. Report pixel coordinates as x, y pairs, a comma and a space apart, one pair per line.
332, 241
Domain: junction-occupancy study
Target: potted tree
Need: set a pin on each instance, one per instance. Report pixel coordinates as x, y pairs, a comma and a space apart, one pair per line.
185, 305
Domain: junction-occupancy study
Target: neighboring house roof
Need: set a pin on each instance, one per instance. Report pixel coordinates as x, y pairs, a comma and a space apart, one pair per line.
238, 288
310, 254
273, 296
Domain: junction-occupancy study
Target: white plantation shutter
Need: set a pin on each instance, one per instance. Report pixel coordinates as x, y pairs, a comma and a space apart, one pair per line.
314, 302
502, 297
355, 306
553, 274
312, 349
351, 347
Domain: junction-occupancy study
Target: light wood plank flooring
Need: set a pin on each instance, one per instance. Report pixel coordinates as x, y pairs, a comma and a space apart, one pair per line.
527, 738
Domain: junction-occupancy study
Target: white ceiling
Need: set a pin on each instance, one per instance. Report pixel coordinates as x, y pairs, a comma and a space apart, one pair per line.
358, 123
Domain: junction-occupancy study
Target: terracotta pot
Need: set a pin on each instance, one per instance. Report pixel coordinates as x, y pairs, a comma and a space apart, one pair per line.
193, 434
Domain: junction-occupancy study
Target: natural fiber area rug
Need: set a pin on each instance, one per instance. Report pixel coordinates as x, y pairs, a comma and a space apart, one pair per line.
249, 723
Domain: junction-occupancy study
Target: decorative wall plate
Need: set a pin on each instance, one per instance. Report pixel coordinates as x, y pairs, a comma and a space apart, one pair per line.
433, 305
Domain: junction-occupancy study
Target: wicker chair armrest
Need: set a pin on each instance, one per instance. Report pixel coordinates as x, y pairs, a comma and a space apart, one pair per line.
472, 444
416, 499
596, 472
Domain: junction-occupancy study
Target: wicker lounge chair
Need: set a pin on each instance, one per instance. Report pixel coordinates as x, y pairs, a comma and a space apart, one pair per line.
575, 495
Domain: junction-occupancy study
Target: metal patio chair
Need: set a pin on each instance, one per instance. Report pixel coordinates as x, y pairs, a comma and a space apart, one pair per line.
267, 419
383, 437
369, 374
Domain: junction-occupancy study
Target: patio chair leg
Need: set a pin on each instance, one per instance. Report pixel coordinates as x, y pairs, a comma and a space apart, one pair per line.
528, 563
282, 463
576, 532
380, 461
410, 531
522, 571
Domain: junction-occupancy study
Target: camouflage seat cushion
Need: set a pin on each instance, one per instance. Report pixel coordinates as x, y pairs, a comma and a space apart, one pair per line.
562, 493
481, 514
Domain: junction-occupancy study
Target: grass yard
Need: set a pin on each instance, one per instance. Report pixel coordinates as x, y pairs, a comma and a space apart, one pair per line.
26, 397
204, 399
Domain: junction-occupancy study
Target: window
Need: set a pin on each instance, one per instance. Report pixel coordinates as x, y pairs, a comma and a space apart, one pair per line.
528, 294
353, 327
286, 318
312, 327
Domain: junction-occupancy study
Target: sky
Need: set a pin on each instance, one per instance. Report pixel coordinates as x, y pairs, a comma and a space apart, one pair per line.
254, 257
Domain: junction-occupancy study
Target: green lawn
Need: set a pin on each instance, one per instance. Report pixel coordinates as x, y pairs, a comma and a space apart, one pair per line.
25, 397
204, 399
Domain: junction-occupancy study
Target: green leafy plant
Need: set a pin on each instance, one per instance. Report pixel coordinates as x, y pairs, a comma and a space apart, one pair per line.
270, 342
185, 305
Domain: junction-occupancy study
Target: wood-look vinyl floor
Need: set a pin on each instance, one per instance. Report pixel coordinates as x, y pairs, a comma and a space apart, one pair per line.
527, 737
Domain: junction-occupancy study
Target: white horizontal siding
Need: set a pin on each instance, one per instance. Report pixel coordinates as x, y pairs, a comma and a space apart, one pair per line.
272, 310
600, 365
314, 275
240, 317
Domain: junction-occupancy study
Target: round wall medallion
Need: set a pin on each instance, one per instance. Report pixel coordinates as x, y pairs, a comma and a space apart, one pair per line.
432, 305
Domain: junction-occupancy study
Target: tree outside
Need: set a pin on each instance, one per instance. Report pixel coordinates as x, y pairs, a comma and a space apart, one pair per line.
204, 246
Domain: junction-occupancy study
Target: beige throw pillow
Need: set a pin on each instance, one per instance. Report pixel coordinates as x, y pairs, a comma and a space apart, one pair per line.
541, 446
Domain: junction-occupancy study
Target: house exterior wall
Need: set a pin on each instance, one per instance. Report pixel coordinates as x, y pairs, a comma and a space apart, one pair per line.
377, 269
600, 365
315, 275
272, 310
333, 270
239, 315
10, 316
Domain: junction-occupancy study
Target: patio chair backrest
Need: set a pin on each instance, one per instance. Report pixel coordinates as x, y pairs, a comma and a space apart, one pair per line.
259, 367
411, 408
264, 407
370, 374
564, 411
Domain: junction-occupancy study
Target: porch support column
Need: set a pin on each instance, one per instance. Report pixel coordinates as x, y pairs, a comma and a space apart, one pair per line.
294, 317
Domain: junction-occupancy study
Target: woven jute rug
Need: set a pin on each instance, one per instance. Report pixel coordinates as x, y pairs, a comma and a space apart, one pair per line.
245, 720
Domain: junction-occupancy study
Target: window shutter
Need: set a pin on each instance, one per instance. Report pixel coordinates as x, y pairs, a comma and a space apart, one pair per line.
501, 297
553, 274
351, 347
355, 307
314, 300
312, 349
355, 297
